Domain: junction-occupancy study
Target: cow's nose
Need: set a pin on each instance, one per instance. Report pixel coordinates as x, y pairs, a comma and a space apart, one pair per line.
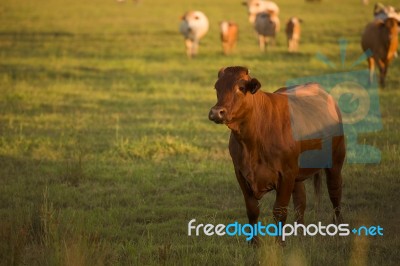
217, 114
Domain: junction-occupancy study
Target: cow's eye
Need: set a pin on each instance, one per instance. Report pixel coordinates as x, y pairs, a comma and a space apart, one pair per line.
242, 89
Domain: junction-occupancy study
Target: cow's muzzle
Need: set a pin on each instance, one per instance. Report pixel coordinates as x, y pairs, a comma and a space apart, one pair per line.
217, 114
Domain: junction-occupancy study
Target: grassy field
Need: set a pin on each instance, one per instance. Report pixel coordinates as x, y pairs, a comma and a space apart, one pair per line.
106, 150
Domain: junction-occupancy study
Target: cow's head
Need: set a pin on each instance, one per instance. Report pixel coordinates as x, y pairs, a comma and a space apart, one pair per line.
194, 24
235, 89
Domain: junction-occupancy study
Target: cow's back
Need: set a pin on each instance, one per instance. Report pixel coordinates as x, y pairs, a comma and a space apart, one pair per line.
313, 112
265, 25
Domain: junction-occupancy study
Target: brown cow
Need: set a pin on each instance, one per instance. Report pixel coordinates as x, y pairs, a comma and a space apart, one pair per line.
229, 33
381, 38
293, 32
270, 132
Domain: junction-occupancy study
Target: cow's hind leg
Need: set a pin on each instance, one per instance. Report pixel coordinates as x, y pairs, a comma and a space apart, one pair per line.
371, 67
334, 184
383, 66
261, 42
299, 201
382, 71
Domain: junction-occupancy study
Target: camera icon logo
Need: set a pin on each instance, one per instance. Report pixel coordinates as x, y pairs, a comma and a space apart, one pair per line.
358, 101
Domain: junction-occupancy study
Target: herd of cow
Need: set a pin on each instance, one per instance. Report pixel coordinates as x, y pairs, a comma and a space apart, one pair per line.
264, 15
379, 40
272, 134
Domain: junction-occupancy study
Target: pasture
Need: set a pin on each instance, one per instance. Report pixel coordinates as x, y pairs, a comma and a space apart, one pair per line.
106, 150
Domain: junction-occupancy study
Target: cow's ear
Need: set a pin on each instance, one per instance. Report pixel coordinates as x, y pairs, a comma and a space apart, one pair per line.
244, 3
253, 85
220, 72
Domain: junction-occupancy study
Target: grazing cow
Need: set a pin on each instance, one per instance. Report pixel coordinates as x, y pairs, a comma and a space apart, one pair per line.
293, 32
194, 26
264, 14
229, 33
266, 28
269, 133
381, 38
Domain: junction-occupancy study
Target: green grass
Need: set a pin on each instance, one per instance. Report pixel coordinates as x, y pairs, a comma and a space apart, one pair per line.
106, 151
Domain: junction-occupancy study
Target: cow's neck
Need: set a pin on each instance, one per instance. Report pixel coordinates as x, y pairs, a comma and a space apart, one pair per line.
253, 129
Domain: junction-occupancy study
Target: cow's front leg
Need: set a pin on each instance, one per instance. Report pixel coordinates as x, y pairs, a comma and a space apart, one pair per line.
189, 48
253, 212
283, 193
299, 201
252, 207
261, 42
195, 47
371, 67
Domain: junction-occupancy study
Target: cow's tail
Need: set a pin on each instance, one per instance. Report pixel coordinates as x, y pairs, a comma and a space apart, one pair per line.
317, 190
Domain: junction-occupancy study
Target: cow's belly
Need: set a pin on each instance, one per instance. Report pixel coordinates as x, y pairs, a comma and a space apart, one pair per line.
305, 173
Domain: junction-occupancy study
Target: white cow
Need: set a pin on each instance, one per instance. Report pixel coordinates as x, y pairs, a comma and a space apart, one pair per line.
194, 26
264, 15
266, 29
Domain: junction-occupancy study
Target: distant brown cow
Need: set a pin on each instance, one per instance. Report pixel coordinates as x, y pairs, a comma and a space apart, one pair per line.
293, 33
270, 133
229, 33
381, 38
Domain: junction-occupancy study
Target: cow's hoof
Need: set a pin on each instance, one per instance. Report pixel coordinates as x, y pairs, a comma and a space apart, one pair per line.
337, 219
255, 242
280, 242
